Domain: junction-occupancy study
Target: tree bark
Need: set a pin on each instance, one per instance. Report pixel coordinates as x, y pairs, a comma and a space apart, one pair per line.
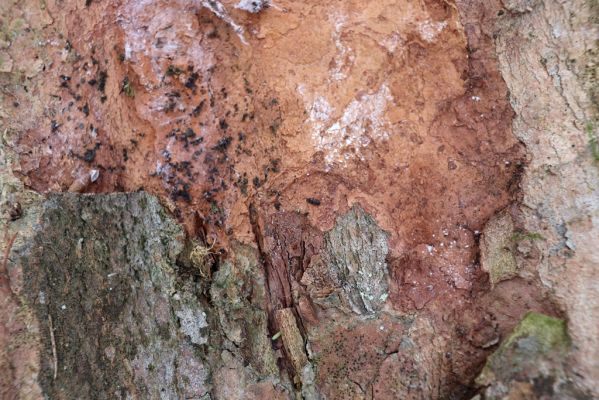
372, 200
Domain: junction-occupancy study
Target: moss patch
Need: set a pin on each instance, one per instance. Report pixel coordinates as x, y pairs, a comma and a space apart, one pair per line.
535, 338
551, 333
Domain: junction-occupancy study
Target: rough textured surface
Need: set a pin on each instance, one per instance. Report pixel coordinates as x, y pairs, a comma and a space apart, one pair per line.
101, 270
300, 143
548, 57
238, 295
384, 358
305, 110
292, 340
496, 246
529, 363
353, 263
19, 329
101, 277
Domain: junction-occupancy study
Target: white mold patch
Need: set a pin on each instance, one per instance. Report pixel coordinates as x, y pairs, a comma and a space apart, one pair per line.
362, 122
345, 57
321, 110
430, 30
392, 42
252, 6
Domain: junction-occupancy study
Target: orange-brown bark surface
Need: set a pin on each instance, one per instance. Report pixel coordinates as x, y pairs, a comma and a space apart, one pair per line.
264, 128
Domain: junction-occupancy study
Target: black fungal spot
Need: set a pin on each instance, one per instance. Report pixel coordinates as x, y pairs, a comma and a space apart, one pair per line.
172, 71
190, 83
196, 111
102, 78
54, 126
89, 155
223, 124
223, 144
64, 80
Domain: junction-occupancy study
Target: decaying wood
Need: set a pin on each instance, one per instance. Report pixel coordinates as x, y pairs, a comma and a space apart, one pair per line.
292, 339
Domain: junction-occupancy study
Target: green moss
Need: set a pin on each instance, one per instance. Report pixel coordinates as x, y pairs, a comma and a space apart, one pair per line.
172, 71
128, 87
551, 333
143, 203
535, 338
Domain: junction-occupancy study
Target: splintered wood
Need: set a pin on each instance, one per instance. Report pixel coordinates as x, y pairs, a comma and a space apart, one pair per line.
292, 339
